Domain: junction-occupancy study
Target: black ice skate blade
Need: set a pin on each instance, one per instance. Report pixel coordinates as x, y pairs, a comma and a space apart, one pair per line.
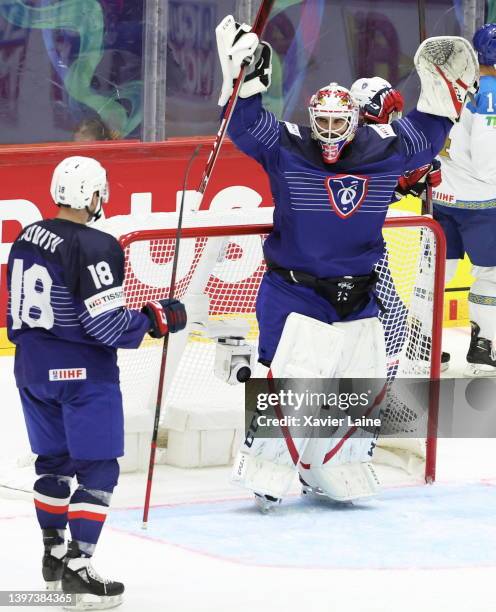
88, 601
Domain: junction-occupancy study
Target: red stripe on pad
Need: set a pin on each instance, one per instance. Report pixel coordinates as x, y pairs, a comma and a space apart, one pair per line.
293, 451
49, 508
84, 514
352, 429
456, 103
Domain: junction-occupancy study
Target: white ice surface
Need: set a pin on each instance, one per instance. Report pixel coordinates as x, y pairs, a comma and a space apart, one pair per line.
184, 572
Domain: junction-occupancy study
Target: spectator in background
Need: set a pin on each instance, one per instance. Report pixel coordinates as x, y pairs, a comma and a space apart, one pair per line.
93, 129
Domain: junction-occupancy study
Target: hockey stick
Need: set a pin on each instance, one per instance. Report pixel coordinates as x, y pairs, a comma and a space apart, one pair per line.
258, 27
165, 346
421, 16
427, 202
435, 349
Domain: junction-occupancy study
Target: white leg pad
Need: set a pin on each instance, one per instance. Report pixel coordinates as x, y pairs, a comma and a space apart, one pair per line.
346, 482
364, 351
363, 356
307, 349
268, 465
262, 476
311, 349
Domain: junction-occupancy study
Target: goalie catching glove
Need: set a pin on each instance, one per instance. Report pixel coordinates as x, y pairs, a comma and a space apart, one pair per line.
165, 316
448, 71
239, 47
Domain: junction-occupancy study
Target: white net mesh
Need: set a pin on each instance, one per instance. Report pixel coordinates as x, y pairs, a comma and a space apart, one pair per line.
228, 269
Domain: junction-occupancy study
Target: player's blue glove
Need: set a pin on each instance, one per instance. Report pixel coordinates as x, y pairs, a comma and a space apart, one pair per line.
165, 316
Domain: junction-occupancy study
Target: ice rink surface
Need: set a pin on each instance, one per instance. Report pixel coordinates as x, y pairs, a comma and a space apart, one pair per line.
416, 548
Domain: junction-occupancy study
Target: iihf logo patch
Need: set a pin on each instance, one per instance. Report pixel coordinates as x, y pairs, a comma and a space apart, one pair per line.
346, 193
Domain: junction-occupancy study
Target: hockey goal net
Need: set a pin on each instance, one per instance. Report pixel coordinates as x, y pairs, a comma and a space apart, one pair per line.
220, 268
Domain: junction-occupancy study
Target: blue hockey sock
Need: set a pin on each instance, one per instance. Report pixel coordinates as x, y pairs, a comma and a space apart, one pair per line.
87, 513
51, 500
90, 502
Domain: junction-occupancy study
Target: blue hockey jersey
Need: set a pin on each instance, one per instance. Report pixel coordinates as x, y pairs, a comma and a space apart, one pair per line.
66, 311
328, 218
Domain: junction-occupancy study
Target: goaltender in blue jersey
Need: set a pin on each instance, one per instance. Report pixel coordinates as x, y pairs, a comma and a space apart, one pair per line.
332, 183
330, 201
67, 318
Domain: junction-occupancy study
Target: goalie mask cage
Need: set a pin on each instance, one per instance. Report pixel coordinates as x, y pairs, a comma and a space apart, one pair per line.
220, 268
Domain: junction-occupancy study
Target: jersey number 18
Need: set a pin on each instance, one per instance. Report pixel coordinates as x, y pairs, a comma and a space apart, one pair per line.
30, 296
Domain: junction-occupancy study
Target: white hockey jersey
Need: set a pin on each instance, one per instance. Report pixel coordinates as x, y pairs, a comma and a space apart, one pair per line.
469, 158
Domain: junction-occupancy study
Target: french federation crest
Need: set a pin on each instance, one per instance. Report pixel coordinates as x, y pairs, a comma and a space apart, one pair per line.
346, 193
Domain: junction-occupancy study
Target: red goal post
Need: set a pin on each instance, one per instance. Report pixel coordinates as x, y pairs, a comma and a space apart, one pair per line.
417, 249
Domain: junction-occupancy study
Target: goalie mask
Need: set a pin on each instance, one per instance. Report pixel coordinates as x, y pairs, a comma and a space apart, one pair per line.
333, 119
485, 44
74, 182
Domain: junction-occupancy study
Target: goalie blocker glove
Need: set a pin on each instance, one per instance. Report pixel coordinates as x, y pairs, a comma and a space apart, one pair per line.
259, 72
165, 316
239, 47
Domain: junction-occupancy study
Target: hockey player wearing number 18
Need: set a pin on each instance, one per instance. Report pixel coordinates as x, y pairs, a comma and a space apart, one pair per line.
332, 184
67, 318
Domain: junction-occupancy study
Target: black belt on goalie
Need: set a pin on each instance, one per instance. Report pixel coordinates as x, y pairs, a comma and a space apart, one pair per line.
347, 294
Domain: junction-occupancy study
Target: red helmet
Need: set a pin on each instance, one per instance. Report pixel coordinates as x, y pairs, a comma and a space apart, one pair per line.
334, 119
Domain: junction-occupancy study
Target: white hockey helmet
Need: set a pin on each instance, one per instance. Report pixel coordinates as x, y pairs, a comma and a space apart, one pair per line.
76, 179
334, 119
367, 92
363, 90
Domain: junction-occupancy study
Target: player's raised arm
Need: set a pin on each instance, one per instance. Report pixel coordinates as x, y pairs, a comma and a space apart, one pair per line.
448, 71
253, 129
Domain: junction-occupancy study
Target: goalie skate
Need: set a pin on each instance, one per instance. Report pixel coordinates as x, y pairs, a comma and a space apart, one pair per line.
266, 503
318, 494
